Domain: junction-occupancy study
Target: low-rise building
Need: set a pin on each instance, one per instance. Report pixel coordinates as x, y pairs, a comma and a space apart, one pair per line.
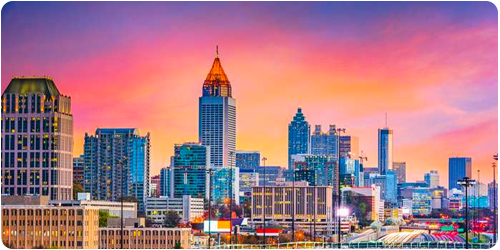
112, 207
309, 206
31, 224
187, 207
145, 238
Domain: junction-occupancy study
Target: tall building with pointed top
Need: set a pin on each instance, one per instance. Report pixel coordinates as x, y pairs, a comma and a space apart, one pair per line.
299, 137
217, 117
37, 139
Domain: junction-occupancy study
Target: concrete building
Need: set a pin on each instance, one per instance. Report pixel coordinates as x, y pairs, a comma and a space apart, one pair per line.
307, 204
37, 139
155, 186
399, 168
145, 238
117, 160
217, 117
369, 196
432, 179
248, 179
187, 208
112, 207
35, 224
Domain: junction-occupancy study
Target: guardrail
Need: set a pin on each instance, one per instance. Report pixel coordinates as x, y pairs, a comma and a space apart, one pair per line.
359, 245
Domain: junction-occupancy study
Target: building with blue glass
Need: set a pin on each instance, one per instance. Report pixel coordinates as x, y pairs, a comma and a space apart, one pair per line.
117, 161
324, 143
225, 184
317, 170
458, 168
299, 136
269, 175
350, 169
166, 182
247, 160
384, 150
189, 166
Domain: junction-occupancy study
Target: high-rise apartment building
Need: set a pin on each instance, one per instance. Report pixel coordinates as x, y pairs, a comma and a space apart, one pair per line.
37, 139
384, 150
78, 170
299, 136
117, 162
190, 164
458, 168
217, 117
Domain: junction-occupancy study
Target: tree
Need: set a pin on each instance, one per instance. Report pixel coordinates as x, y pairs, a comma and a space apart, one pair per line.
172, 219
376, 225
77, 188
103, 218
178, 245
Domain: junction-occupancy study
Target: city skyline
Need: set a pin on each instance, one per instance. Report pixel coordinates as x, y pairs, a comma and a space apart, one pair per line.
336, 76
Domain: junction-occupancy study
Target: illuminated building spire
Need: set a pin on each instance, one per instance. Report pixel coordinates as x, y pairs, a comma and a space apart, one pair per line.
217, 83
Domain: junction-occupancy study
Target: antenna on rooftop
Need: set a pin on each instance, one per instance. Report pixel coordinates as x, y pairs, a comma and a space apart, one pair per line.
386, 119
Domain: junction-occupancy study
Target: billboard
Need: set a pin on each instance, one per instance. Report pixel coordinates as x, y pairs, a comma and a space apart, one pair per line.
217, 226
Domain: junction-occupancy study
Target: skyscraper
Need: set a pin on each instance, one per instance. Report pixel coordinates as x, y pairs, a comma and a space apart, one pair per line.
248, 160
432, 179
458, 168
299, 136
117, 160
384, 150
324, 143
399, 168
349, 146
37, 139
217, 117
190, 163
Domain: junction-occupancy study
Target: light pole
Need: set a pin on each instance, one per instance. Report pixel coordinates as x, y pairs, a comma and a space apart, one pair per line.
121, 199
230, 192
210, 173
466, 183
339, 231
477, 200
264, 207
293, 205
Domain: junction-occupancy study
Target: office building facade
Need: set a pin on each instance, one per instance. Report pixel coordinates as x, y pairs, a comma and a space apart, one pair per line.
324, 143
37, 139
317, 170
225, 184
78, 170
145, 238
166, 180
217, 117
399, 168
299, 136
247, 160
187, 207
349, 146
384, 150
458, 168
432, 179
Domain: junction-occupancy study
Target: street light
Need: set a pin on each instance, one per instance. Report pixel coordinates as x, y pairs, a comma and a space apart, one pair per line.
293, 205
210, 172
466, 183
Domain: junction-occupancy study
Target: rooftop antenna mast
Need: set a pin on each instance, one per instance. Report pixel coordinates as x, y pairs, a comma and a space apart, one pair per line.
386, 119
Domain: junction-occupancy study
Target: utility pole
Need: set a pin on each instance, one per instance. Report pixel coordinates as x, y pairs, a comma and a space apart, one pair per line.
230, 192
339, 198
210, 173
293, 205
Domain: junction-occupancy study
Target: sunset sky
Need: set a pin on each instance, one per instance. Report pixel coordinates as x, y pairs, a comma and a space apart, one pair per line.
431, 66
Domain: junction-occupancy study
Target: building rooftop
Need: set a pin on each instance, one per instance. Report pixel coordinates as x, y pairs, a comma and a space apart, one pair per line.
32, 84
